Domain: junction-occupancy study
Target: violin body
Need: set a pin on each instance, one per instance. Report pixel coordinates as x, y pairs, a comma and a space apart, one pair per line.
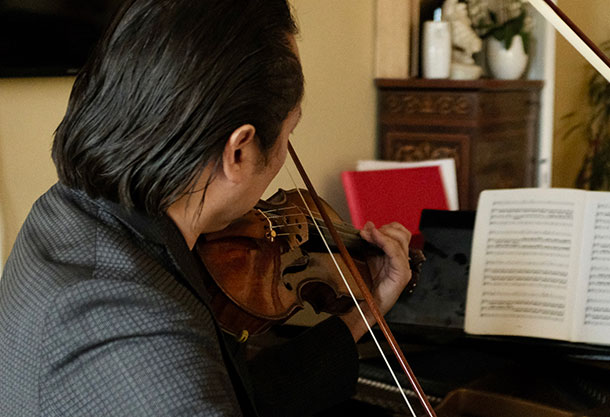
268, 263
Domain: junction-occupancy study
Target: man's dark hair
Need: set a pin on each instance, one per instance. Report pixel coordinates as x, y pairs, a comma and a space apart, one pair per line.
167, 85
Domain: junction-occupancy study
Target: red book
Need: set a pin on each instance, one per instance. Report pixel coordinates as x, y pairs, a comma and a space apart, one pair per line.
393, 195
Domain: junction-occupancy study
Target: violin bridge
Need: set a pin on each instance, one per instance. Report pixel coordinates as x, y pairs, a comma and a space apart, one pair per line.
270, 234
290, 224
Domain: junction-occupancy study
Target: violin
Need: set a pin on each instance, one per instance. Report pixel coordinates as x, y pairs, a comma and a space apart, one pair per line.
268, 263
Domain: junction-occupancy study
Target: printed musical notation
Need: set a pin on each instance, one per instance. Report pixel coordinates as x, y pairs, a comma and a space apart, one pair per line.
597, 305
540, 265
522, 237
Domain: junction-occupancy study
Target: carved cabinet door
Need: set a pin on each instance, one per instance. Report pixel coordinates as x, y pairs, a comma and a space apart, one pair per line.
489, 127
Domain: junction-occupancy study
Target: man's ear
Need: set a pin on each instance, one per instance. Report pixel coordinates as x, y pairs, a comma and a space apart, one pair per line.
240, 151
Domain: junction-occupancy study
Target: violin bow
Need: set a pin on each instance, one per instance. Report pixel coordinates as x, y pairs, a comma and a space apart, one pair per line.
572, 33
367, 295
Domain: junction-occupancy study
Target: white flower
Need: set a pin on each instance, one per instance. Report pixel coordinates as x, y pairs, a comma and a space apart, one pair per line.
480, 12
513, 8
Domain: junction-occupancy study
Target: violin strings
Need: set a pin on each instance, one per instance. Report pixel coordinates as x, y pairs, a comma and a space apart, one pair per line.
346, 230
280, 226
385, 359
344, 225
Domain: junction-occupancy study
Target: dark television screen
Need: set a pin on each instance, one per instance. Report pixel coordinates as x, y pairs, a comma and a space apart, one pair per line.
50, 37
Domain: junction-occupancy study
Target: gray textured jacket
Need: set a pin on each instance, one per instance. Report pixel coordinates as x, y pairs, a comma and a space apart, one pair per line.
99, 316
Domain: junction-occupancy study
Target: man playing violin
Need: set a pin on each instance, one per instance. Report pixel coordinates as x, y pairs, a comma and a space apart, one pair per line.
175, 128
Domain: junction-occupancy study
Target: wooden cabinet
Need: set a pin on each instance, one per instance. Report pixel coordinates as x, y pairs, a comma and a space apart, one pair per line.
490, 128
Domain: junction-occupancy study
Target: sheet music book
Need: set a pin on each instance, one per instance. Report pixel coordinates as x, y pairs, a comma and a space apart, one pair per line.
388, 195
540, 265
446, 165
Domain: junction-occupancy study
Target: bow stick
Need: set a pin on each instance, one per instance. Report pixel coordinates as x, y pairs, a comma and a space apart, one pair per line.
363, 287
574, 35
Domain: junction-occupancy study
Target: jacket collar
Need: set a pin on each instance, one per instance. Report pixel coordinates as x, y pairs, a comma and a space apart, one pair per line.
160, 230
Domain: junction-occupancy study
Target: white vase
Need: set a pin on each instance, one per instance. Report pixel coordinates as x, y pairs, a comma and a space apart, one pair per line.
506, 64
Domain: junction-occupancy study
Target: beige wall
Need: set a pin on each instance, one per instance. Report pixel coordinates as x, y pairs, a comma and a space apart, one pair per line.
338, 125
30, 110
572, 74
